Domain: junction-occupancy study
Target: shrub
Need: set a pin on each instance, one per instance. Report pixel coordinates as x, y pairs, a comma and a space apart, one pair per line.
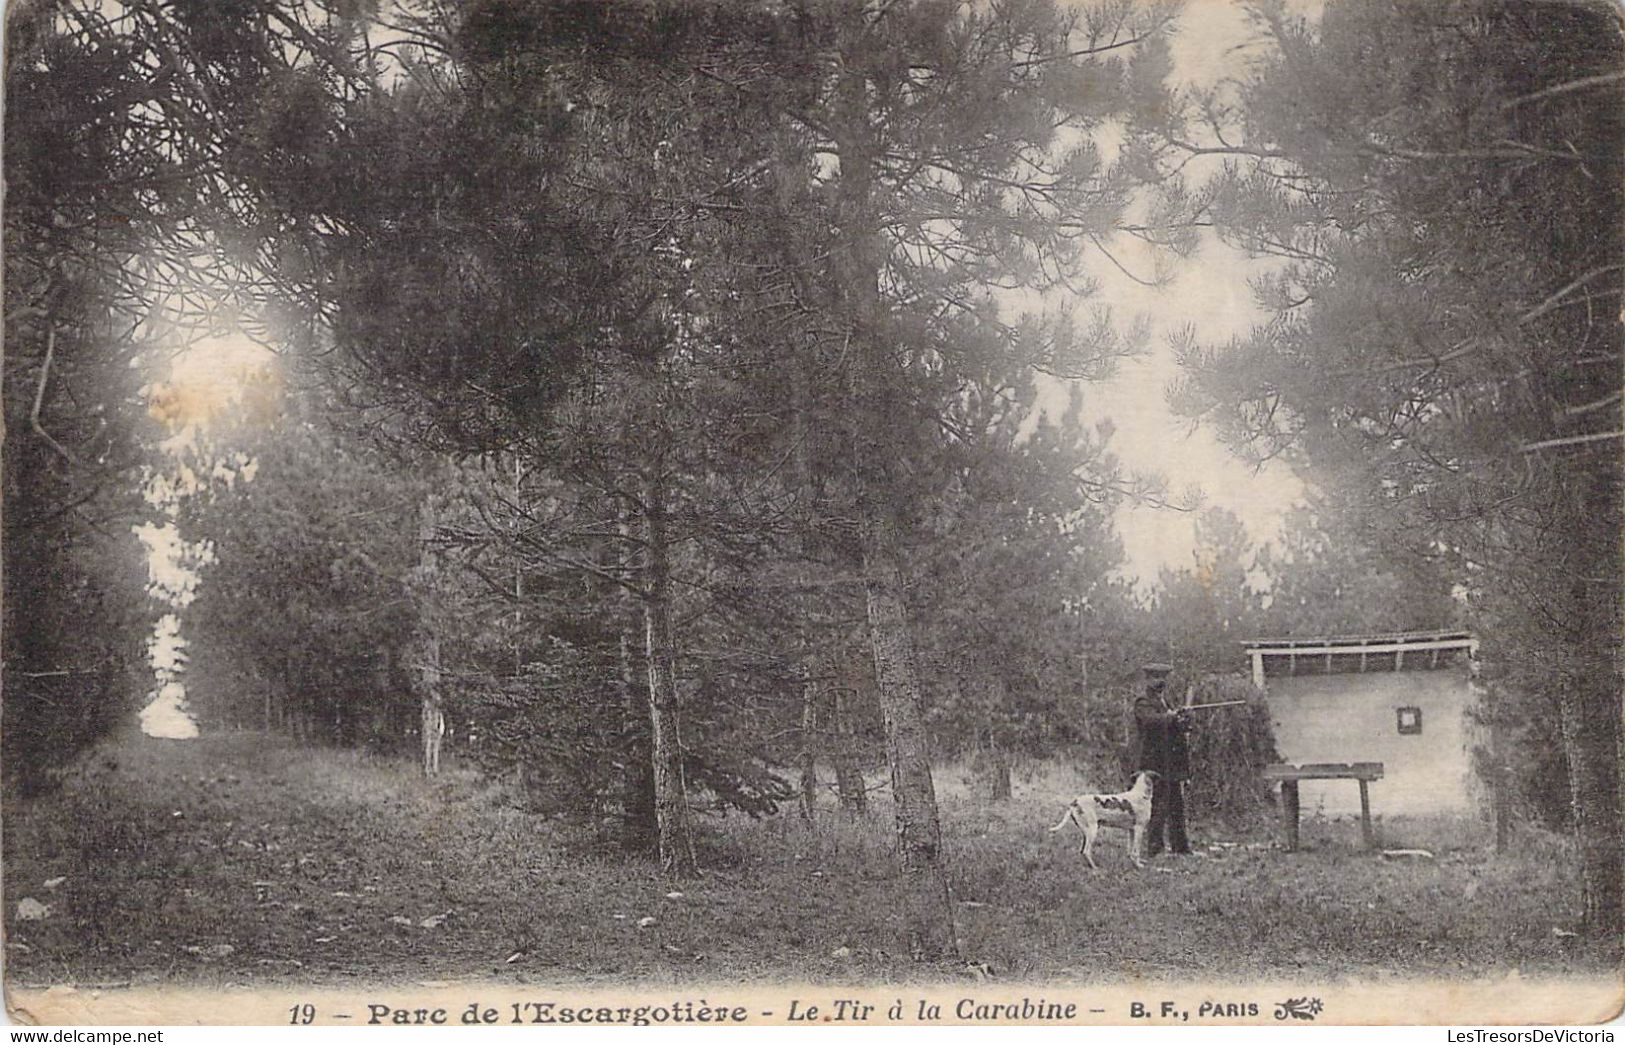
1229, 748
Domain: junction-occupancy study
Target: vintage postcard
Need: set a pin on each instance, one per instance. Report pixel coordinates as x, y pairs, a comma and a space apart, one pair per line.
813, 512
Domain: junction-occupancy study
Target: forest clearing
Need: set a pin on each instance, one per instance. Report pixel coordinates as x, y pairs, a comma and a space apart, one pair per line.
163, 843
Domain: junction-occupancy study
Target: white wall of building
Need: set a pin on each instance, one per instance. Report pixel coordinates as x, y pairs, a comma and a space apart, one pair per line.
1352, 717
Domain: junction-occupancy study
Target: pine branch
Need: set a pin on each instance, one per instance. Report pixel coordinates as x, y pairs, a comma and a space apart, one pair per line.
1581, 84
1573, 440
1597, 404
39, 400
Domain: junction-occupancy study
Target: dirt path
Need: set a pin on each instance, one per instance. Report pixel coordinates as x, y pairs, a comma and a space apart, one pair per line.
243, 857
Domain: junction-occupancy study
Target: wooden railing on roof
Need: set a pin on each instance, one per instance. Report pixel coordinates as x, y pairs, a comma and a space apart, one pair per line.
1397, 644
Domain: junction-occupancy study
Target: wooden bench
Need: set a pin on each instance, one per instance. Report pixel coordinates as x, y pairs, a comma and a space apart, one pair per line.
1289, 775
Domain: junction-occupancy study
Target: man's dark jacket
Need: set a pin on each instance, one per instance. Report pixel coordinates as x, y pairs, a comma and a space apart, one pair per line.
1162, 739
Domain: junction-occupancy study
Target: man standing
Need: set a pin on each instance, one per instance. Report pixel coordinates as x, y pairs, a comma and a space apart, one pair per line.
1163, 750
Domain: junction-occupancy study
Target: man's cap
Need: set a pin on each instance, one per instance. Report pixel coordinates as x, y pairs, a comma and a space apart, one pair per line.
1157, 671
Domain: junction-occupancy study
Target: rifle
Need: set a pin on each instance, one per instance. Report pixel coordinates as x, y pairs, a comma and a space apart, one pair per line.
1215, 704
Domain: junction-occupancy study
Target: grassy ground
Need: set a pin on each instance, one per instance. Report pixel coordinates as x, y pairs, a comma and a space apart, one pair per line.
242, 859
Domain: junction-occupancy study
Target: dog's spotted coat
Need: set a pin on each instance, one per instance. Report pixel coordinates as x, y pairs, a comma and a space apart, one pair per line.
1129, 809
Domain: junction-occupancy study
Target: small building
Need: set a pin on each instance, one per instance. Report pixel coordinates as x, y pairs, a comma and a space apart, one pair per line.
1401, 699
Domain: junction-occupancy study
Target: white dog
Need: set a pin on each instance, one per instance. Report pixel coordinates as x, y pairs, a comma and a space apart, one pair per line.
1129, 809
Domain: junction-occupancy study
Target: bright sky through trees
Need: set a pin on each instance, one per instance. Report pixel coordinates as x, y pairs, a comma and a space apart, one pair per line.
1209, 293
208, 381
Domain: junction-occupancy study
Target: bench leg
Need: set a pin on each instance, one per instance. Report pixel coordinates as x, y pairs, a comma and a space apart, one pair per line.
1289, 815
1366, 831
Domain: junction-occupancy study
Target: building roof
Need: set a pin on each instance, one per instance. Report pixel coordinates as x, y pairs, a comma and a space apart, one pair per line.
1388, 642
1337, 654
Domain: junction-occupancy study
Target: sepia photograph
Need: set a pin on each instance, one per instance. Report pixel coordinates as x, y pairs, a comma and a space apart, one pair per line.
813, 512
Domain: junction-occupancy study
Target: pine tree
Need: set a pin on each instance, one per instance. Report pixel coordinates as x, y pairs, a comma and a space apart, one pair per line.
1441, 184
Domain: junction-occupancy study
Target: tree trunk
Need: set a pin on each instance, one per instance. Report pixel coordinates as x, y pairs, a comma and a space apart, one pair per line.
996, 704
1589, 742
639, 829
1081, 714
433, 730
1589, 706
998, 773
433, 707
809, 754
1501, 797
809, 665
674, 829
284, 697
347, 723
931, 929
871, 372
849, 786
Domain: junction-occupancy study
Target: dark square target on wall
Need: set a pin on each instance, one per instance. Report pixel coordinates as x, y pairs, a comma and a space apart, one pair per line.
1410, 721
